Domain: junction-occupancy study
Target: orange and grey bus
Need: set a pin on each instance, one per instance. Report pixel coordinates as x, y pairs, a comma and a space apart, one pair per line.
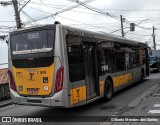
61, 66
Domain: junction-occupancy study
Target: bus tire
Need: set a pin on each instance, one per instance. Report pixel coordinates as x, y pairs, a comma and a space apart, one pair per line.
108, 92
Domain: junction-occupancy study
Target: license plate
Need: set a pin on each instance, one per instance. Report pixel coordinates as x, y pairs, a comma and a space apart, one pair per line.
33, 90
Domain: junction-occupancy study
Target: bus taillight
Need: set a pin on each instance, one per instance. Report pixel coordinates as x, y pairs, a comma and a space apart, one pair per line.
59, 79
12, 83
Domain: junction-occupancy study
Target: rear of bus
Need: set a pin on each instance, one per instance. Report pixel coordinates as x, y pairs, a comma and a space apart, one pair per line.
35, 68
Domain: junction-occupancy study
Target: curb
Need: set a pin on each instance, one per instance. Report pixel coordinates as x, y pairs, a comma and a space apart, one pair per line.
6, 103
137, 100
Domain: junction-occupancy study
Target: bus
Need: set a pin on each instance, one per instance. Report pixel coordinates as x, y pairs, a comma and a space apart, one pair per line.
59, 66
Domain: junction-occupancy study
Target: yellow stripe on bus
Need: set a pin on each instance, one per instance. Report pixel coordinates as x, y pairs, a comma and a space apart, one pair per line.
78, 95
123, 79
101, 86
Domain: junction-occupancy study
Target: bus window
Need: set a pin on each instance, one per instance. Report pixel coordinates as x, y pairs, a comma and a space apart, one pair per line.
101, 60
120, 61
137, 61
75, 59
119, 57
134, 59
32, 42
105, 57
75, 54
127, 60
126, 57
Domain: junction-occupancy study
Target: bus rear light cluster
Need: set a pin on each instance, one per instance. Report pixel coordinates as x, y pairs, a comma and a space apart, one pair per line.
59, 79
12, 83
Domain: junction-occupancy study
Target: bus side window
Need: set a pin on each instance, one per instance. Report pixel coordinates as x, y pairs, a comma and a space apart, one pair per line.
76, 63
135, 59
108, 55
101, 60
143, 57
105, 57
127, 65
75, 54
120, 61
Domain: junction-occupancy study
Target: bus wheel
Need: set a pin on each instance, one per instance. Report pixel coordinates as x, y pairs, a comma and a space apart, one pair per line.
108, 90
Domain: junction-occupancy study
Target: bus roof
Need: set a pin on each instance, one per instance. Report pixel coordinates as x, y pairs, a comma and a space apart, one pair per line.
104, 37
77, 31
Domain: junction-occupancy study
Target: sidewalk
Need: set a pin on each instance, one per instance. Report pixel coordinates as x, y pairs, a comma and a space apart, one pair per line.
147, 104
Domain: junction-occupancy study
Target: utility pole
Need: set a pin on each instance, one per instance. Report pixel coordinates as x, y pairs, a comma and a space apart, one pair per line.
154, 42
17, 16
122, 26
17, 13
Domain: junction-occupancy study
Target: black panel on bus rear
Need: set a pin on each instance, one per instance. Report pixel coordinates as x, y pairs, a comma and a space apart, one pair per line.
33, 62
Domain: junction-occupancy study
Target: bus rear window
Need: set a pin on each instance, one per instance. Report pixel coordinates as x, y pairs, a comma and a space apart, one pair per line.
32, 42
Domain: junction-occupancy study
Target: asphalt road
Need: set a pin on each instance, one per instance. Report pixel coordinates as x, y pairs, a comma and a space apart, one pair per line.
116, 106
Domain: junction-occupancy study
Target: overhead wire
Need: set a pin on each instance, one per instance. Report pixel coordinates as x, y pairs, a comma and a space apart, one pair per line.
33, 20
151, 10
140, 35
134, 37
70, 11
141, 17
45, 12
52, 6
48, 5
97, 10
80, 22
110, 9
61, 11
39, 10
30, 17
36, 9
102, 13
85, 23
67, 4
106, 13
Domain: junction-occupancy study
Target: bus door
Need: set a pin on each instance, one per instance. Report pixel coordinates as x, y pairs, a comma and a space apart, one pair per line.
91, 79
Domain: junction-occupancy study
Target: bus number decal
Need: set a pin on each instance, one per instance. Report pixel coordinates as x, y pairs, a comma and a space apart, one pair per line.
33, 36
104, 68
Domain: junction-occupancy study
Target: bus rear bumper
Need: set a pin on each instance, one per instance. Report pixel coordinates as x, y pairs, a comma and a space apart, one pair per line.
54, 101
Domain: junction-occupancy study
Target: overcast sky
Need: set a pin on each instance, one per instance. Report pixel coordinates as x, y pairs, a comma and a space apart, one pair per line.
145, 13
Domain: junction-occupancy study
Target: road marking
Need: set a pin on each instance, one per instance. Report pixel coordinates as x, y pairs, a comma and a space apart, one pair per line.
156, 105
154, 112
